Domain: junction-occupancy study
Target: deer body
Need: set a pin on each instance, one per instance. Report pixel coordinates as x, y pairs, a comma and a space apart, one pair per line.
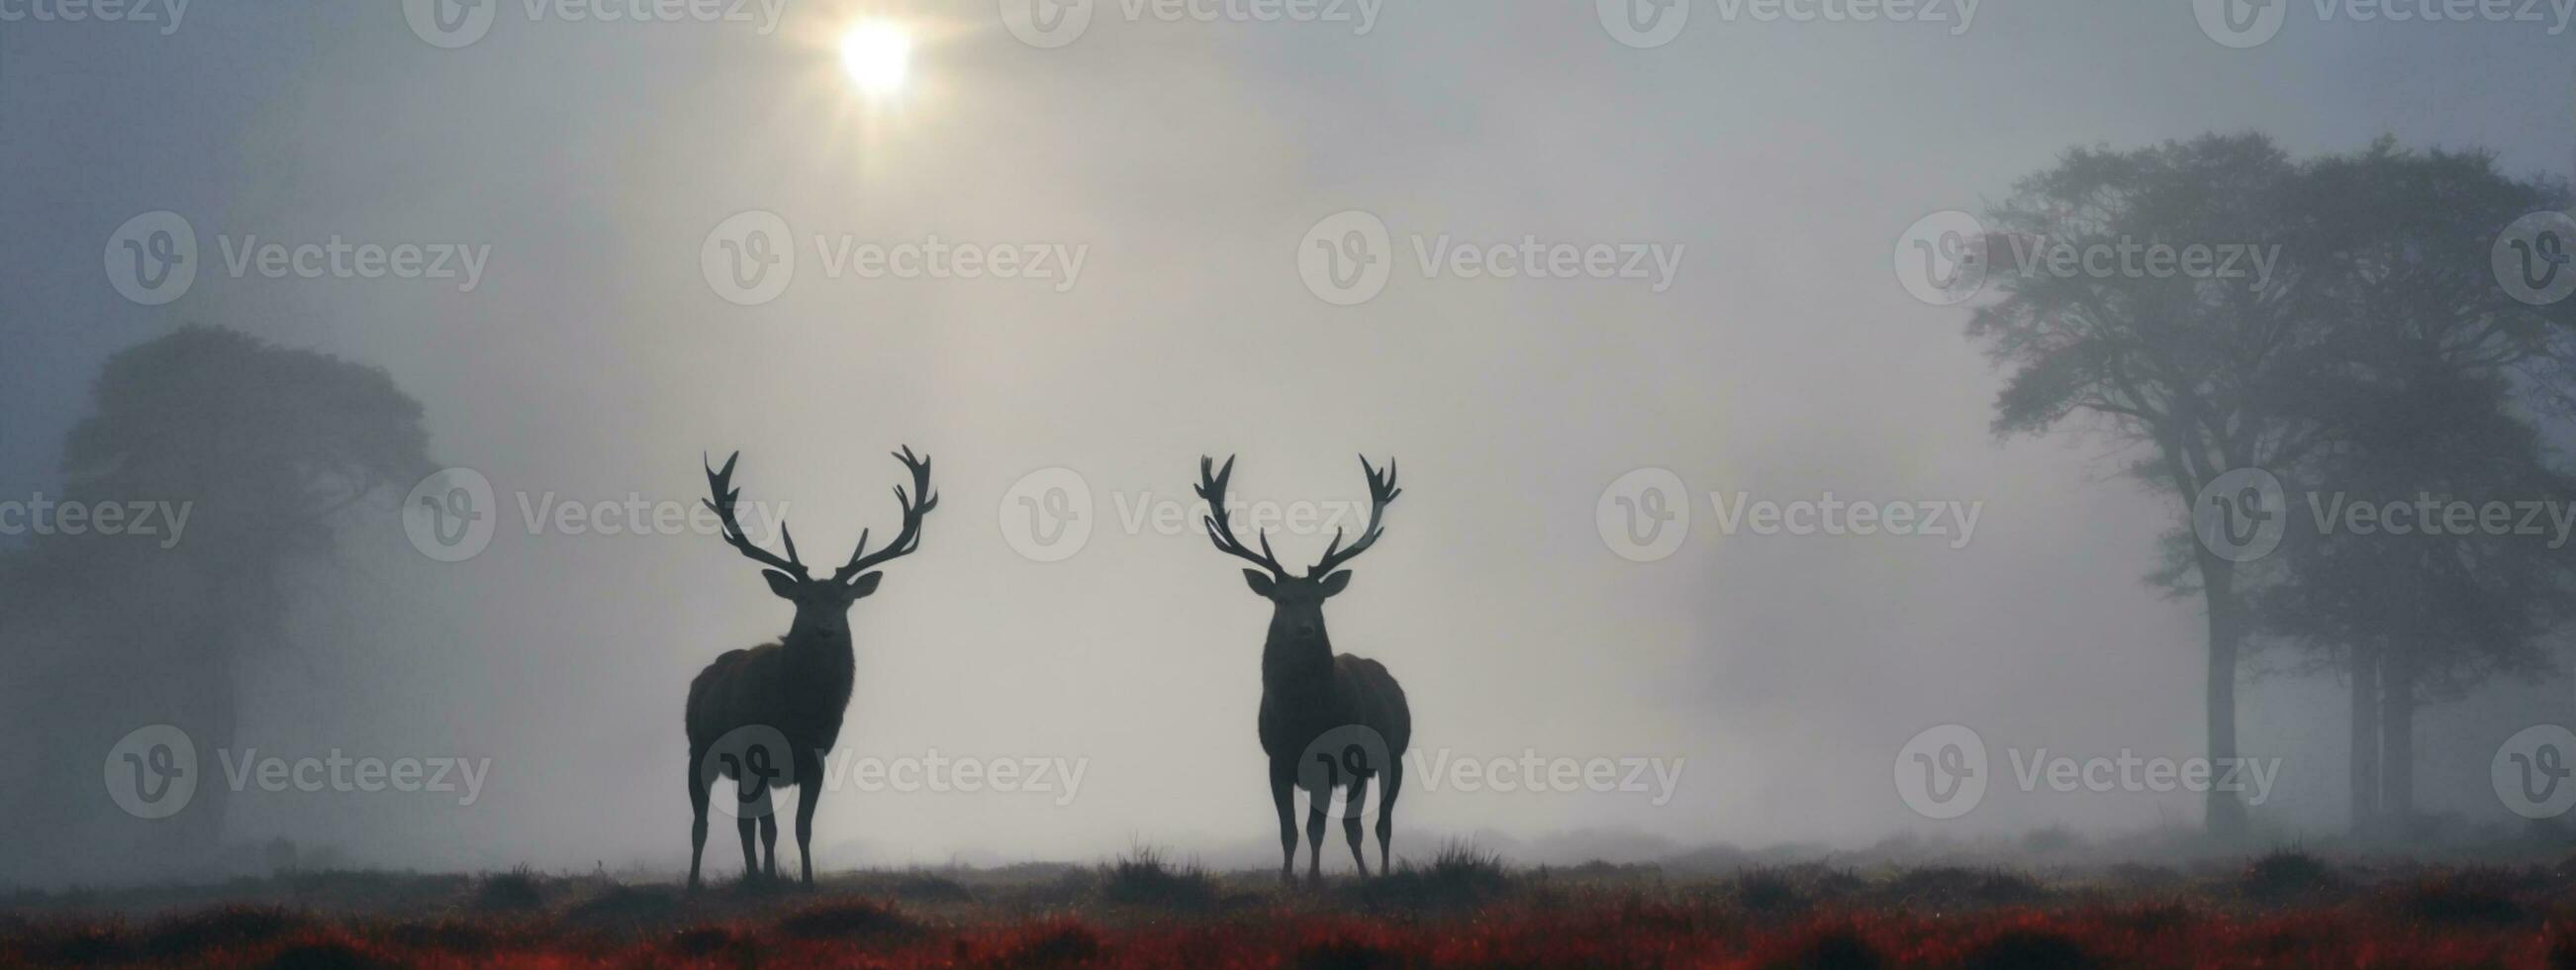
793, 692
1327, 722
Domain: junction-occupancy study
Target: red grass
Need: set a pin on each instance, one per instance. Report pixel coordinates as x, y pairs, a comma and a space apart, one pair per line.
1612, 931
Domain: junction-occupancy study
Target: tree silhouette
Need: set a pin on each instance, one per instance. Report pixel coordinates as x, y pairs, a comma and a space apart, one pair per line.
2186, 369
2429, 377
115, 632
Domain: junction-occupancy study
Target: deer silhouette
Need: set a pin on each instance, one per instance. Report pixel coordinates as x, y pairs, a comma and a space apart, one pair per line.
1326, 721
792, 692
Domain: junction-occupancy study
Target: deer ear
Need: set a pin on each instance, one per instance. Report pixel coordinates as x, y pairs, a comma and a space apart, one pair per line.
1334, 583
1258, 580
779, 582
864, 585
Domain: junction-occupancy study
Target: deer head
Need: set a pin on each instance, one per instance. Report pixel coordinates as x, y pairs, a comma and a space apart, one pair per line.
823, 605
1297, 616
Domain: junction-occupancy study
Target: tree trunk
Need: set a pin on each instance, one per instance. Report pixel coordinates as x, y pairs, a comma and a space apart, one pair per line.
2365, 742
2225, 812
2397, 741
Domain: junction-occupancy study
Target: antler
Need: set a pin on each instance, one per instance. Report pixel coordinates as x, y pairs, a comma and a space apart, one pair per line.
1382, 491
721, 483
1220, 529
910, 538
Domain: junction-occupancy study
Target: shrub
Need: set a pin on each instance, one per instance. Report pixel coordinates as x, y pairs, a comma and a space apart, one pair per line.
516, 891
1145, 877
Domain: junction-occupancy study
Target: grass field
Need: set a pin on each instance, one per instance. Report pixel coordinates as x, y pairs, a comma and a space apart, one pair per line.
2284, 909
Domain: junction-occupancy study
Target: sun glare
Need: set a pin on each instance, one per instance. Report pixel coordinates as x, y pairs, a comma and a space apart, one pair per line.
877, 56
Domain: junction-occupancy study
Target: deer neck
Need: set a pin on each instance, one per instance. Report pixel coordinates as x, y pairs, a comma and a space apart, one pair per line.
1294, 667
817, 658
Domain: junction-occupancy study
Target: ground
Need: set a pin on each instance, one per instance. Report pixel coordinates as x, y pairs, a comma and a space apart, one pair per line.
2280, 909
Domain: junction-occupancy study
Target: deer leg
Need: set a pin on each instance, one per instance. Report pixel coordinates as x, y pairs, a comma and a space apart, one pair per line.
698, 816
747, 824
769, 845
807, 796
1315, 834
1386, 789
1352, 817
1283, 796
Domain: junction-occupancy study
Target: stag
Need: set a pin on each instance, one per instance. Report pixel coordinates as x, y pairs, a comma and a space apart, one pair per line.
795, 689
1326, 721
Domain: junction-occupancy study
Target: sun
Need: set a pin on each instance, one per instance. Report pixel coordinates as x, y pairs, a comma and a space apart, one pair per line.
877, 55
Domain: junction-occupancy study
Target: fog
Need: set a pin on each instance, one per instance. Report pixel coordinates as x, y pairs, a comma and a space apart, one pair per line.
1753, 689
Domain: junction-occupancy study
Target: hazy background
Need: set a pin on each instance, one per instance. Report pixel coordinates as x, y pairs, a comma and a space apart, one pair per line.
1190, 158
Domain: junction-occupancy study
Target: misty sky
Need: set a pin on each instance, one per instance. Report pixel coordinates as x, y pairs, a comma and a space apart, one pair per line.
1187, 161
